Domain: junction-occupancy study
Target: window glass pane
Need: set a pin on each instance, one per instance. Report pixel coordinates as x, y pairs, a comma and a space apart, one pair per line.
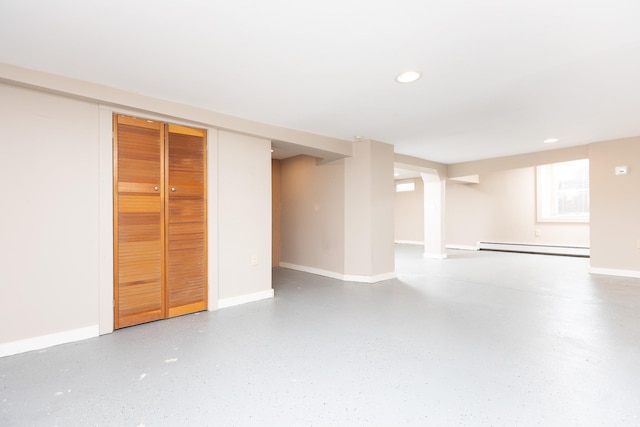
405, 186
563, 191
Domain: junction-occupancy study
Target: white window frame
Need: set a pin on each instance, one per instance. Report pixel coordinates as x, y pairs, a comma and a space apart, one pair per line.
547, 194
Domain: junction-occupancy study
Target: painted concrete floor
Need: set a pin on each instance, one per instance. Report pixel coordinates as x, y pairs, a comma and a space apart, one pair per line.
479, 339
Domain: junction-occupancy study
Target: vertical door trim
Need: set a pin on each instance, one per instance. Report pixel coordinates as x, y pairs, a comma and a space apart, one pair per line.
116, 318
106, 283
164, 218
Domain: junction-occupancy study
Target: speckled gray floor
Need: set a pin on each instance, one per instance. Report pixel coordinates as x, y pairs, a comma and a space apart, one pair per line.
479, 339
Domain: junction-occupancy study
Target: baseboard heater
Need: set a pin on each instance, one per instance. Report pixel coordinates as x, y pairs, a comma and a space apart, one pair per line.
579, 251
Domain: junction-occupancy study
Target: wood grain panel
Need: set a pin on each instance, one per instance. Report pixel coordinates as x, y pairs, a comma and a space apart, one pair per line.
138, 221
140, 203
160, 235
186, 211
136, 187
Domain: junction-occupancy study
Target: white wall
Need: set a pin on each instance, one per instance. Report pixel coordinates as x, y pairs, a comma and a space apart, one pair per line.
49, 250
244, 215
502, 208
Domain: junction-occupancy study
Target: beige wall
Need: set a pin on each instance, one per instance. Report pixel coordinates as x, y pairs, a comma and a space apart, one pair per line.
615, 205
409, 213
337, 218
502, 208
312, 213
382, 211
56, 271
322, 146
49, 244
369, 211
244, 215
275, 213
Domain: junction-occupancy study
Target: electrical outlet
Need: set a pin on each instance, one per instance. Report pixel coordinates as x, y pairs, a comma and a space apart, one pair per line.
254, 259
538, 234
638, 243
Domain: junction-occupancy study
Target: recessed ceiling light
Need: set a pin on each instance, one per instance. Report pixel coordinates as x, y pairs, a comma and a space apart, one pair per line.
358, 137
550, 140
408, 77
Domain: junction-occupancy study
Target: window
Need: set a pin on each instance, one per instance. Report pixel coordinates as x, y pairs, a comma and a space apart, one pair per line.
563, 192
405, 186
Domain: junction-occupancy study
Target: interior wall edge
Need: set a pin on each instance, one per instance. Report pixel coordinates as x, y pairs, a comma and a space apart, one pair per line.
615, 272
518, 161
105, 280
212, 220
403, 161
339, 276
117, 98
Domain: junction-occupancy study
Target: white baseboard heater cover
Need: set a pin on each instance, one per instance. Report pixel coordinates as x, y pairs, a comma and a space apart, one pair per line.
535, 249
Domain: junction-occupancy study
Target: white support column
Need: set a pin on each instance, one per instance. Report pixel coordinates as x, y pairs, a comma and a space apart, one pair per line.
434, 206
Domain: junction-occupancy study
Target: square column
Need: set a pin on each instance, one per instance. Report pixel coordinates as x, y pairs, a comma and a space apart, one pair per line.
434, 205
369, 213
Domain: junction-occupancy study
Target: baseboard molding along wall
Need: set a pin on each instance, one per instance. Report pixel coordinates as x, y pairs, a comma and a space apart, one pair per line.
409, 242
536, 249
369, 279
243, 299
434, 256
463, 247
50, 340
339, 276
614, 272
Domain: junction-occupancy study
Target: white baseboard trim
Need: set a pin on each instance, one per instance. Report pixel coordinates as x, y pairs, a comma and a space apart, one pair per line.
369, 279
463, 247
409, 242
614, 272
434, 256
339, 276
50, 340
312, 270
537, 249
243, 299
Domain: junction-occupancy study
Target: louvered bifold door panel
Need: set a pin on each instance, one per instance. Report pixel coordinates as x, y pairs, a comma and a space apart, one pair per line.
138, 221
186, 212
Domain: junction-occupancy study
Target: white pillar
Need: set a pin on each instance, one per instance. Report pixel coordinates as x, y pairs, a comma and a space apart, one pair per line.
434, 206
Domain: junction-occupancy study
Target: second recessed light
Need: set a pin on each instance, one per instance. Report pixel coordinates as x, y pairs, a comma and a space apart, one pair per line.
408, 77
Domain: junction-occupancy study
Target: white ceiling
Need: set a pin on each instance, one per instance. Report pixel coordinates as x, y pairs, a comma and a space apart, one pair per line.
499, 76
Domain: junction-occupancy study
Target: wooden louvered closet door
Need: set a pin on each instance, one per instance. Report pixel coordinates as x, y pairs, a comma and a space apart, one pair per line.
186, 213
159, 234
138, 221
